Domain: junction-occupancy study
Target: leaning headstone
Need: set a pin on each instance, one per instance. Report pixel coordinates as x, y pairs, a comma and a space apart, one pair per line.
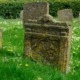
21, 15
45, 41
0, 38
65, 15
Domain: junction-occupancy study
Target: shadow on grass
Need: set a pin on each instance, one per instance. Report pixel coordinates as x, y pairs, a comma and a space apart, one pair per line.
5, 52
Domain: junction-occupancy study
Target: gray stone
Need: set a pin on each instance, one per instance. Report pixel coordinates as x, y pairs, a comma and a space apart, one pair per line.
46, 41
0, 38
21, 15
65, 15
79, 16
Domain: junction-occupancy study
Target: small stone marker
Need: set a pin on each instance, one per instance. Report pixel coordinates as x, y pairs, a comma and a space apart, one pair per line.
79, 16
65, 15
21, 15
0, 38
45, 41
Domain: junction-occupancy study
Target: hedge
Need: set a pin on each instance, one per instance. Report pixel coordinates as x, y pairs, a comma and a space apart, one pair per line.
74, 5
12, 9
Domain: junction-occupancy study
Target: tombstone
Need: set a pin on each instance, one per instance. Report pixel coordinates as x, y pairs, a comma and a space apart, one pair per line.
65, 15
0, 38
21, 15
79, 16
45, 41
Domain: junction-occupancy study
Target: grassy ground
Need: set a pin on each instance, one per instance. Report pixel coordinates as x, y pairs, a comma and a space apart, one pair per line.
14, 67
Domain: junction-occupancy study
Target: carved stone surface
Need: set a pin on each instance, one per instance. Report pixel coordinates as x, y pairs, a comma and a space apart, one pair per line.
65, 15
0, 38
46, 41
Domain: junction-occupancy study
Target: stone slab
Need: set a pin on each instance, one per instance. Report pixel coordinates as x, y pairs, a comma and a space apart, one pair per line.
65, 15
0, 38
21, 15
35, 10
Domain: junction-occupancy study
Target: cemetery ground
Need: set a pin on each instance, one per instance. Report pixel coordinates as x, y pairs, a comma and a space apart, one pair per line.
14, 67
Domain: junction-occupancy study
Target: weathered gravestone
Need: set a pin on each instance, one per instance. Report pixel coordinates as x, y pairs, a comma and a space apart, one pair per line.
34, 10
65, 15
45, 40
0, 38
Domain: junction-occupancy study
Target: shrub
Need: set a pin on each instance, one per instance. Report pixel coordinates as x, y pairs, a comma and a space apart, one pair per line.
74, 5
12, 9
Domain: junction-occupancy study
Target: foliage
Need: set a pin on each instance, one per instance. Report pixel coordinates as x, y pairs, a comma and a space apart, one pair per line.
11, 9
12, 64
14, 67
55, 6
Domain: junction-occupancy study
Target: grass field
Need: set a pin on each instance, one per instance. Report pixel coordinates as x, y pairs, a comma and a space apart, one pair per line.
33, 0
14, 67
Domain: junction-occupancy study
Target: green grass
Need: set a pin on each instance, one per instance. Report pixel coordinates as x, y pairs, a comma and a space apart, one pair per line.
33, 0
14, 67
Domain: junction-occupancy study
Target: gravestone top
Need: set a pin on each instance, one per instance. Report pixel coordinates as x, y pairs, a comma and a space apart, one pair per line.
65, 15
79, 16
34, 10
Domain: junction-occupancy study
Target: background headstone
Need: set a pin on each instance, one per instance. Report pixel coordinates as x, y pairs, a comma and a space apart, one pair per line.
45, 40
79, 16
21, 15
0, 38
65, 15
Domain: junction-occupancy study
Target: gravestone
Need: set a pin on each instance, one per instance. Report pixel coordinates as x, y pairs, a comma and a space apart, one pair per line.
21, 15
45, 41
0, 38
65, 15
79, 16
